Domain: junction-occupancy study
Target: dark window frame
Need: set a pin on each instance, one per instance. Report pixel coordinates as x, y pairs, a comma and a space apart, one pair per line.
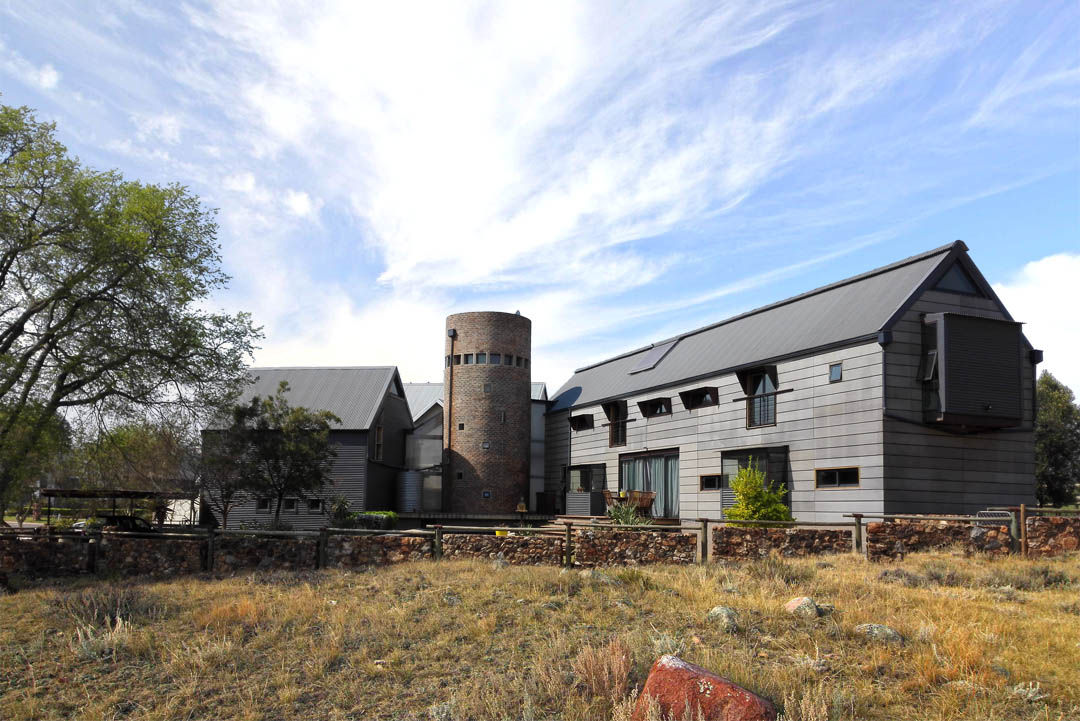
655, 407
616, 422
721, 482
840, 375
315, 505
508, 359
836, 484
285, 505
457, 359
262, 505
495, 359
379, 443
583, 422
468, 359
593, 477
694, 398
481, 358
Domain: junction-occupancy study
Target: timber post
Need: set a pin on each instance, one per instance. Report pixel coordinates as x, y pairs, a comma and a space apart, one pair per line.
703, 541
1023, 531
436, 547
857, 533
568, 544
209, 549
1014, 530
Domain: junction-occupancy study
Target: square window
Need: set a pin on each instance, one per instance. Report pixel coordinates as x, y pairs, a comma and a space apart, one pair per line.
481, 358
486, 494
713, 482
314, 505
836, 372
526, 362
485, 445
460, 475
263, 504
457, 359
496, 359
517, 361
461, 426
487, 388
468, 359
508, 360
289, 504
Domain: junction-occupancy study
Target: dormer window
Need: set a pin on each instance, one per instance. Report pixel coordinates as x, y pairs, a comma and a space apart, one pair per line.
581, 423
699, 398
760, 387
655, 407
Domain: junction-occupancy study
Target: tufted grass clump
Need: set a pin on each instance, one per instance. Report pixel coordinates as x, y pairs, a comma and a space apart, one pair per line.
107, 604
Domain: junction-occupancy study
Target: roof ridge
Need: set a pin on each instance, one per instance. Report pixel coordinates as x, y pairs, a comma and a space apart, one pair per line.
786, 301
321, 368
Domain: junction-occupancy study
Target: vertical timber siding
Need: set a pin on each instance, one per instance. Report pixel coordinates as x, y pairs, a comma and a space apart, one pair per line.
932, 470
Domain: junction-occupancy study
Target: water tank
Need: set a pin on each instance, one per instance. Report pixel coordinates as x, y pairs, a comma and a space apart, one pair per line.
409, 485
487, 412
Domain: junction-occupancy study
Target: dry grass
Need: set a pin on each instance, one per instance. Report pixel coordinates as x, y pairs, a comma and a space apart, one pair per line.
986, 639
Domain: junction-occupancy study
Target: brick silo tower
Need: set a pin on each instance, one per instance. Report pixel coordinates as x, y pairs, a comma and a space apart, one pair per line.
486, 412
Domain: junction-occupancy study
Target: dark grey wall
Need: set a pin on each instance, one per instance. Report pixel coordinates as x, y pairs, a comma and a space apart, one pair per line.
396, 421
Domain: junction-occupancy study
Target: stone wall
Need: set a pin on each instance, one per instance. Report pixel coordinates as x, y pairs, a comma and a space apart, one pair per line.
1052, 536
630, 548
235, 553
44, 555
736, 543
359, 551
138, 556
524, 550
898, 537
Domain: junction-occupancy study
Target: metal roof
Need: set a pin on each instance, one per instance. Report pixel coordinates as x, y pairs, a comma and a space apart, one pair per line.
539, 391
422, 396
353, 394
849, 309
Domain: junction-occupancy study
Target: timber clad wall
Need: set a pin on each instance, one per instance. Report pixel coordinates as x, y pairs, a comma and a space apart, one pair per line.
824, 425
932, 470
395, 419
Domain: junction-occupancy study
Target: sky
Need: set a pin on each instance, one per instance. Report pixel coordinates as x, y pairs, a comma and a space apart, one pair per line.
617, 172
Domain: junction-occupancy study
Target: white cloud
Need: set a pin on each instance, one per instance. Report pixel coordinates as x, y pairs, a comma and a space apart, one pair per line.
164, 127
1045, 296
43, 76
299, 203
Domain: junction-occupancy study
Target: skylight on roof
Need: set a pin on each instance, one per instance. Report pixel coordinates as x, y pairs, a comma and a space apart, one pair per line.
653, 356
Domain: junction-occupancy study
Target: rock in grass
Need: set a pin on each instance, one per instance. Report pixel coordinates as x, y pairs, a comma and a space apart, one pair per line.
598, 576
725, 617
806, 607
879, 632
499, 562
679, 688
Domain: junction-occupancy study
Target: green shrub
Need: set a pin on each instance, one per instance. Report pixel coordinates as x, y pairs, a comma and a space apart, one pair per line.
626, 514
754, 500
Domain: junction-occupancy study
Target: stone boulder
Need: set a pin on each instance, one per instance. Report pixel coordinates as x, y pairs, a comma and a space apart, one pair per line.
879, 632
806, 607
678, 687
725, 617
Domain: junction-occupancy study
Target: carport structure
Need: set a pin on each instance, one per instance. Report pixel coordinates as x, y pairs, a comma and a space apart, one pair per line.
115, 494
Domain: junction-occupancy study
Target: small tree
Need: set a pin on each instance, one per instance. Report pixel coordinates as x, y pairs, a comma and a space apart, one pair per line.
755, 498
1057, 443
226, 455
290, 448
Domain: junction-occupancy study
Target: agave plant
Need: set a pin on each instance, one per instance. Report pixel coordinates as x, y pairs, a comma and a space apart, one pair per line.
626, 514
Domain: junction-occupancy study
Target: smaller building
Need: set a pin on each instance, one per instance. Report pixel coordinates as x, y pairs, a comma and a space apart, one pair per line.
370, 440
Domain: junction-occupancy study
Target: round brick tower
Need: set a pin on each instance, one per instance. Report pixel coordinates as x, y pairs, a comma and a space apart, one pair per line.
486, 387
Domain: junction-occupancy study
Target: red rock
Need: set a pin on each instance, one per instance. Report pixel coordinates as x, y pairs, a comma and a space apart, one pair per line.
1069, 543
677, 685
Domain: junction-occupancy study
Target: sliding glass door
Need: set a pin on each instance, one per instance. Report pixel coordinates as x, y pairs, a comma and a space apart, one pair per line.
657, 472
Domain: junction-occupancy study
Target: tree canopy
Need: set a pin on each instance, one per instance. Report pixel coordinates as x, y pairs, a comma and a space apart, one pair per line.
104, 288
1057, 443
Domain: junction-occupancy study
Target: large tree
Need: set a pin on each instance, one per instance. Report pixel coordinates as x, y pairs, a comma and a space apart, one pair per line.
104, 287
46, 459
290, 448
226, 470
1057, 443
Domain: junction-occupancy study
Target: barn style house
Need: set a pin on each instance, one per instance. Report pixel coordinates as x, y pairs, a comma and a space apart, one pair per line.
907, 389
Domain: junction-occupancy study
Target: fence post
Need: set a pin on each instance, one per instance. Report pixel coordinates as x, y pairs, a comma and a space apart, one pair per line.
91, 555
209, 549
320, 548
1023, 531
856, 534
436, 548
1014, 530
567, 544
703, 538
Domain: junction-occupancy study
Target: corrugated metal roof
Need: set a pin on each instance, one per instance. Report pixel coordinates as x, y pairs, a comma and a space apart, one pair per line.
842, 311
353, 394
539, 391
421, 396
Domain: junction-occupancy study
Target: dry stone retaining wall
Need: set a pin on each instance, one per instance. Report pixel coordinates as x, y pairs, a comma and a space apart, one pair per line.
138, 556
43, 555
618, 548
360, 551
731, 542
898, 537
1052, 536
524, 550
235, 553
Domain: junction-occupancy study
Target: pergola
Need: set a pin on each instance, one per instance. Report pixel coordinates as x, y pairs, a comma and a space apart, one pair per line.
114, 494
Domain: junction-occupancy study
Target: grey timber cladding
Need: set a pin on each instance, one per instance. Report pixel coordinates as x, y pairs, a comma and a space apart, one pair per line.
842, 312
353, 394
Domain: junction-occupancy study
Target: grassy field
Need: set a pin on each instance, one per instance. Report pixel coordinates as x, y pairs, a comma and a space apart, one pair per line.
460, 640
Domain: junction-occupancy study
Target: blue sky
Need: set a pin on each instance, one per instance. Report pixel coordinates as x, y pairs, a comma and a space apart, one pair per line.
616, 172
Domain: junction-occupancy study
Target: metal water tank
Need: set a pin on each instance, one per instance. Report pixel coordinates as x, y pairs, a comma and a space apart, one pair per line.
409, 484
